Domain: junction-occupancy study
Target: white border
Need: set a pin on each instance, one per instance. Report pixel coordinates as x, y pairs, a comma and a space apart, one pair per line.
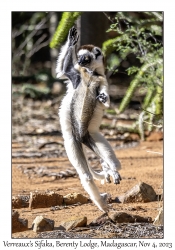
5, 95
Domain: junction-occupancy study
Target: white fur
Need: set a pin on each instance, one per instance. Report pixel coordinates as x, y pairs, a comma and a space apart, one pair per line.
60, 60
109, 162
87, 174
96, 64
84, 173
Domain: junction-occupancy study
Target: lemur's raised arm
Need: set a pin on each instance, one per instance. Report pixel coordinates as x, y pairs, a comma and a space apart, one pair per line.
81, 113
70, 64
68, 58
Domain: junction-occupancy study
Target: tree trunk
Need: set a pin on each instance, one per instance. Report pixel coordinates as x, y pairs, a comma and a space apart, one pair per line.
93, 26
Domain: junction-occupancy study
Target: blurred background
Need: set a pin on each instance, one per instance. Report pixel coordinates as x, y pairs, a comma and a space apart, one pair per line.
132, 43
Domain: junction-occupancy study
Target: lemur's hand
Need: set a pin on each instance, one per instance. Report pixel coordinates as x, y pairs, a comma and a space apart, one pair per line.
102, 97
73, 36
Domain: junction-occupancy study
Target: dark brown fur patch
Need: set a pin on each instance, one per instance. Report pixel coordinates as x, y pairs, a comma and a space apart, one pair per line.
88, 47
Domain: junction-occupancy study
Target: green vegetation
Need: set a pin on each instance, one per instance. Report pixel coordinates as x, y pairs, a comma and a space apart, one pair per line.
136, 40
111, 111
140, 34
67, 21
30, 90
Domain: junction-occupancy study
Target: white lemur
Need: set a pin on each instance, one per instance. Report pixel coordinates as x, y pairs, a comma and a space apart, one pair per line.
81, 113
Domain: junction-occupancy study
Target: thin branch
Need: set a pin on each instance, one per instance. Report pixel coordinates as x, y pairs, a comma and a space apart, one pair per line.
38, 48
148, 111
157, 126
158, 15
32, 34
108, 17
154, 152
25, 27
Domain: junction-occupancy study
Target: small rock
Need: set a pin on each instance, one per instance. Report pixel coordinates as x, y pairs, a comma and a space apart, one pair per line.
18, 224
74, 222
159, 218
41, 224
20, 202
100, 220
16, 202
122, 217
155, 136
142, 192
130, 208
74, 198
131, 137
42, 200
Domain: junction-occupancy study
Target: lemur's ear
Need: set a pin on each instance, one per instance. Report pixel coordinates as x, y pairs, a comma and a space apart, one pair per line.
97, 52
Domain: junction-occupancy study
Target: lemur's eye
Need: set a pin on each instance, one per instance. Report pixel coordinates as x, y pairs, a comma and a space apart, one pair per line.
98, 53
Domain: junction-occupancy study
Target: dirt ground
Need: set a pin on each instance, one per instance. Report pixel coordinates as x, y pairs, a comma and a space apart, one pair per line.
39, 163
138, 164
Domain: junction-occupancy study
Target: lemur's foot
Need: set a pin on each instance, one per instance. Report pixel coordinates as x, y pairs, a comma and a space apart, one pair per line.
102, 97
106, 197
102, 203
105, 171
107, 178
73, 36
110, 172
116, 177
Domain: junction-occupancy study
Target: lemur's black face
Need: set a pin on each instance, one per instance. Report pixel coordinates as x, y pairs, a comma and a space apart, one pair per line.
91, 57
84, 60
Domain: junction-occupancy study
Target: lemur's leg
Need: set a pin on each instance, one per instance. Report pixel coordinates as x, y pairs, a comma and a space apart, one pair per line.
98, 176
76, 155
110, 162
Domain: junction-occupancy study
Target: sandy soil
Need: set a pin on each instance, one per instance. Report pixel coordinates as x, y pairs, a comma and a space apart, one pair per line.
137, 165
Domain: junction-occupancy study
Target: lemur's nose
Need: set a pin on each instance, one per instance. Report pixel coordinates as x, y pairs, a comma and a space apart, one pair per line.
84, 60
